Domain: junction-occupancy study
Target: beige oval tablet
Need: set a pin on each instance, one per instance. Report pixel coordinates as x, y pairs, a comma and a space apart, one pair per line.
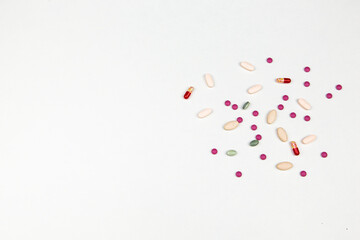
247, 66
205, 112
283, 166
282, 134
308, 139
254, 89
304, 104
271, 117
231, 125
209, 80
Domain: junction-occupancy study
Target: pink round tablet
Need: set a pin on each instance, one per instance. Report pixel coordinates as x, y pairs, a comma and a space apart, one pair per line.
253, 127
280, 107
328, 95
293, 115
324, 154
338, 87
306, 84
255, 113
234, 106
307, 118
303, 173
285, 97
306, 69
239, 119
258, 137
262, 156
238, 174
227, 103
214, 151
269, 60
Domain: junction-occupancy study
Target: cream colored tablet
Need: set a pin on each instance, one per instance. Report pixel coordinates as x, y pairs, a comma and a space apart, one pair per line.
209, 80
271, 117
308, 139
283, 166
282, 134
304, 104
255, 89
247, 66
205, 112
231, 125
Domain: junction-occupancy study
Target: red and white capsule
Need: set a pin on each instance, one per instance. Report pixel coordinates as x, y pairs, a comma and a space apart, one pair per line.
283, 80
294, 148
188, 92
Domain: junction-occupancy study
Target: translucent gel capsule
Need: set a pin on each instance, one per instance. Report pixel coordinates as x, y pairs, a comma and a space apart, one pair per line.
283, 80
294, 148
188, 92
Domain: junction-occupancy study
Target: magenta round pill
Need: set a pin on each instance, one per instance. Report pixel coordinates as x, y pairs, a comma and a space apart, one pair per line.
293, 115
227, 103
253, 127
255, 113
303, 173
238, 174
280, 107
234, 106
328, 95
306, 69
306, 84
338, 87
285, 97
307, 118
214, 151
269, 60
239, 119
258, 137
324, 154
262, 156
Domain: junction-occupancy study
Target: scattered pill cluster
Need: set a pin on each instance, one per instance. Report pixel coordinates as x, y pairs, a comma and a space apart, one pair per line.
270, 117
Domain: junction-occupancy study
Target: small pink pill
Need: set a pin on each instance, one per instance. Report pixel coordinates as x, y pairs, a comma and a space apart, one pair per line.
214, 151
238, 174
307, 118
285, 97
328, 95
234, 106
227, 103
280, 107
293, 115
269, 60
262, 156
258, 137
306, 69
255, 113
303, 173
239, 119
338, 87
306, 84
253, 127
324, 154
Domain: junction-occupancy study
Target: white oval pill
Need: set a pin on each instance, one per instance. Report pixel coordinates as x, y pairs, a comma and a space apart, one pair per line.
231, 125
254, 89
308, 139
271, 117
304, 104
282, 134
205, 112
247, 66
283, 166
209, 80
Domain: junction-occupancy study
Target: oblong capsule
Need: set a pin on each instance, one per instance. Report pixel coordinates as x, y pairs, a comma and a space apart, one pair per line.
254, 89
271, 117
205, 112
253, 143
246, 105
231, 125
282, 134
283, 166
231, 152
295, 148
247, 66
304, 104
308, 139
283, 80
209, 80
188, 92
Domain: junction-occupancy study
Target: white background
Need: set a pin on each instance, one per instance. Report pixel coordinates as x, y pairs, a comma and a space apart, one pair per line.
97, 142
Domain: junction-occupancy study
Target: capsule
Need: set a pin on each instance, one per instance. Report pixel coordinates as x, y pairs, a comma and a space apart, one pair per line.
188, 92
283, 80
295, 148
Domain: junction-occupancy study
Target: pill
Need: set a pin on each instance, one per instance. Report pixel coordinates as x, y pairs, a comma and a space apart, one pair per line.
324, 154
253, 127
295, 148
338, 87
285, 97
269, 60
271, 117
280, 107
304, 104
234, 106
255, 89
306, 83
209, 80
328, 95
308, 139
214, 151
255, 113
205, 112
307, 118
283, 80
239, 119
231, 153
247, 66
231, 125
227, 103
293, 115
238, 174
246, 105
258, 137
306, 69
262, 156
282, 134
303, 173
188, 92
283, 166
253, 143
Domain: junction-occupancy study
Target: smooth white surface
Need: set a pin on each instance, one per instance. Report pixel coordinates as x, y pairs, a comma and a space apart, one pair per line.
97, 142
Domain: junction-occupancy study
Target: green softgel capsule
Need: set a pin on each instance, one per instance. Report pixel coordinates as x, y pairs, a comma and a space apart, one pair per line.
253, 143
231, 153
246, 105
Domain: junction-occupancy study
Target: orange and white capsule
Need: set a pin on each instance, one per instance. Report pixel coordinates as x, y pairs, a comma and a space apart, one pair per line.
294, 148
283, 80
188, 92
